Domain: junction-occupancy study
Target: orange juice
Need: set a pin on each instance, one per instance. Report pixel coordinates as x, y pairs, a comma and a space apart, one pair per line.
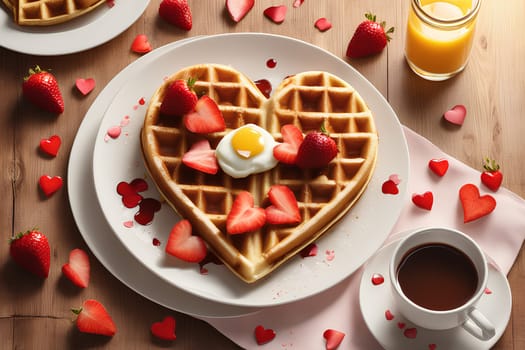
439, 36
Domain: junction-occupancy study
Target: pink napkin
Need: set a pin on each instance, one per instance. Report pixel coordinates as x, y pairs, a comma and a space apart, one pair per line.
300, 325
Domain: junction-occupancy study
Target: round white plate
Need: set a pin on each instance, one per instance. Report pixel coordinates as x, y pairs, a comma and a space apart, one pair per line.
375, 300
353, 240
82, 33
99, 236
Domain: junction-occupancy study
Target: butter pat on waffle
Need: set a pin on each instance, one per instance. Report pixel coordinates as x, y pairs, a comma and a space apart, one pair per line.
49, 12
307, 100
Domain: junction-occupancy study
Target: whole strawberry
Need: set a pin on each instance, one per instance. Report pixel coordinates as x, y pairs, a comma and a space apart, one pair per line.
369, 38
176, 12
179, 99
41, 88
316, 151
31, 251
492, 177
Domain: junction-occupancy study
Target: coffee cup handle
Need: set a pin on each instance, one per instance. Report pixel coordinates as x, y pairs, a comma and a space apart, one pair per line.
479, 326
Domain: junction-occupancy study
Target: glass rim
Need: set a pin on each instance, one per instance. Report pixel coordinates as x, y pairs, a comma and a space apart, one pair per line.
451, 23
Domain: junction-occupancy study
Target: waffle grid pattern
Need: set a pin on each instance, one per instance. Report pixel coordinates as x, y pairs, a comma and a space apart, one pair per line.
306, 100
49, 12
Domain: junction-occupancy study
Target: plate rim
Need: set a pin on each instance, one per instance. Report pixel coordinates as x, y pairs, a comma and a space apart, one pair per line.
347, 67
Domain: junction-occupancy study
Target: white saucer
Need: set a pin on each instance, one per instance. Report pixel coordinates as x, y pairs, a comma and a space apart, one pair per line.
375, 300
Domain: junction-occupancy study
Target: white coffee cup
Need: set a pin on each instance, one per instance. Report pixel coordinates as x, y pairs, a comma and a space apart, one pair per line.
466, 314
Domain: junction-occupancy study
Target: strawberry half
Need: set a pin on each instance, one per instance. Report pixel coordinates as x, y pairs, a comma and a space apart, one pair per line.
30, 250
492, 176
206, 118
93, 318
244, 216
201, 157
77, 270
369, 38
179, 99
176, 12
41, 88
284, 208
316, 151
183, 245
286, 152
237, 9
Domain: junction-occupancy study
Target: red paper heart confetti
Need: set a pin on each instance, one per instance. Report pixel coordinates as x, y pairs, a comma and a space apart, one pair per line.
164, 329
474, 205
438, 166
389, 187
333, 338
487, 291
147, 209
323, 24
456, 115
141, 44
51, 145
401, 325
410, 333
377, 279
50, 185
85, 86
389, 315
432, 346
263, 335
276, 13
309, 251
424, 200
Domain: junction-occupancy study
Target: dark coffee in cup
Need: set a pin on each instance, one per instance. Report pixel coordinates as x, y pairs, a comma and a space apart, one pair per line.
437, 276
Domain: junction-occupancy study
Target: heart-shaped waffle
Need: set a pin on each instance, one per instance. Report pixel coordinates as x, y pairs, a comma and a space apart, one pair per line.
49, 12
307, 100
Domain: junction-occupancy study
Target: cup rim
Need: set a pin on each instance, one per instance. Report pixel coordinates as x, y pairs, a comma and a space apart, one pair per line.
450, 23
473, 299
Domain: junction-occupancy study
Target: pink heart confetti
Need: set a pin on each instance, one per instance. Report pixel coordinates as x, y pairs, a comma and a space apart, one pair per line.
141, 44
330, 255
297, 3
85, 86
395, 179
128, 224
114, 131
456, 115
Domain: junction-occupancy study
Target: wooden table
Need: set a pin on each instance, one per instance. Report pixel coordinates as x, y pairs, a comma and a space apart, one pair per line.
36, 314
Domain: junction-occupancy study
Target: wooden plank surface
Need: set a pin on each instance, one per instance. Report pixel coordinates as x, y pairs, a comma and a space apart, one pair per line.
36, 314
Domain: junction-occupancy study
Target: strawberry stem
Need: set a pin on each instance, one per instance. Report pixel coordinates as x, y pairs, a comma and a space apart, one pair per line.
490, 164
77, 311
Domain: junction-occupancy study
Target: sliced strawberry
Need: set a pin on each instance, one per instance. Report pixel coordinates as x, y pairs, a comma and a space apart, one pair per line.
243, 216
141, 44
77, 270
333, 338
93, 318
276, 13
201, 157
239, 8
183, 245
206, 118
286, 152
323, 24
284, 208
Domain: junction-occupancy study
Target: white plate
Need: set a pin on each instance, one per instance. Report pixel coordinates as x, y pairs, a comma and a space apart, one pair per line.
82, 33
99, 236
376, 299
354, 239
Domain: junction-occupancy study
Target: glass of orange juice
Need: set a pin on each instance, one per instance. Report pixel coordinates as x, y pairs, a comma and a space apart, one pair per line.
439, 36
